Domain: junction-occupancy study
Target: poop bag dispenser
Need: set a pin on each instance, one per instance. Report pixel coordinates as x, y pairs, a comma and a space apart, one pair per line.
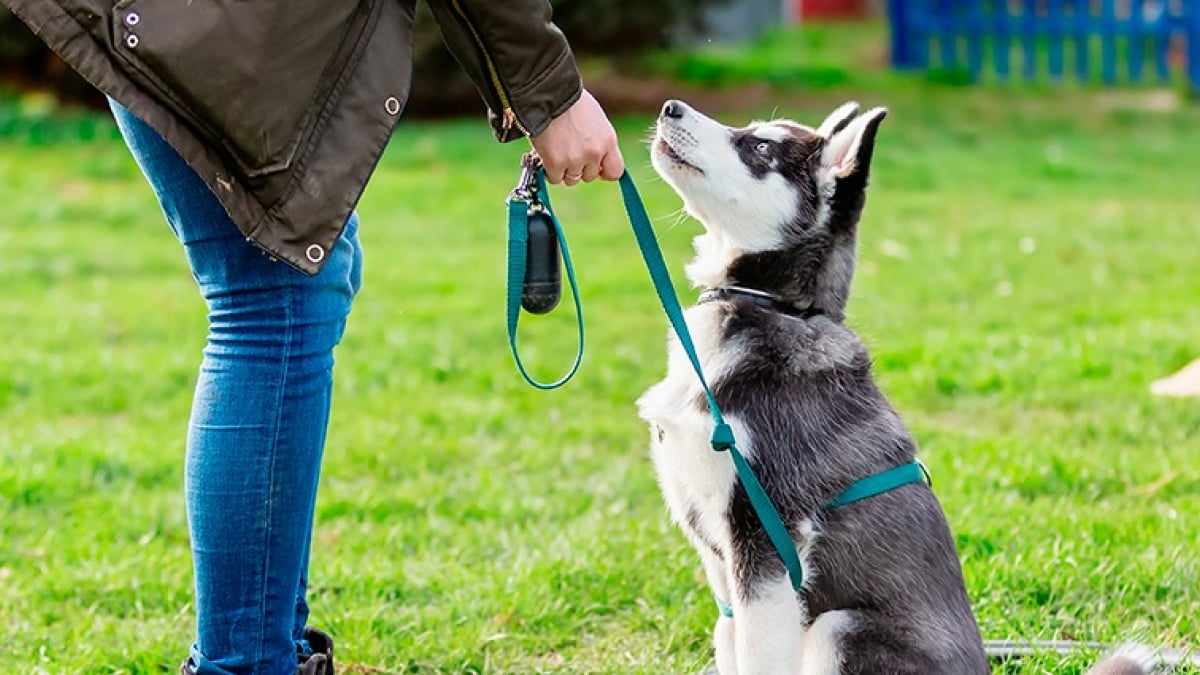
543, 274
542, 288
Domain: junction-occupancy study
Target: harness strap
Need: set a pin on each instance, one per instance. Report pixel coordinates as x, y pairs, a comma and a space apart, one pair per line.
863, 488
884, 481
724, 608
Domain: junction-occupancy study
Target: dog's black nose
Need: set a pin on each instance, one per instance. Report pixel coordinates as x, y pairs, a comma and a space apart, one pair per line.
673, 110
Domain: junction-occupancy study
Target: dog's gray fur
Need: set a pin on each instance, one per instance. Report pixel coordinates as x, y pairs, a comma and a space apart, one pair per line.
884, 592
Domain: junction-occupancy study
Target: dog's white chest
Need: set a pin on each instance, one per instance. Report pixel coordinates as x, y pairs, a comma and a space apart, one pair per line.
695, 479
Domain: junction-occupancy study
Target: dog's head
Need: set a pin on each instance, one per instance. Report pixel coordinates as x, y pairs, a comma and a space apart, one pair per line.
779, 201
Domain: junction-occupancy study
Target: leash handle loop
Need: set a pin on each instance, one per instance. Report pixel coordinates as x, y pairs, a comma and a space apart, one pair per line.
519, 204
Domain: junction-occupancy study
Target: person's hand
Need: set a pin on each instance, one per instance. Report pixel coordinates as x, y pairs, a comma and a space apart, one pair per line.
580, 145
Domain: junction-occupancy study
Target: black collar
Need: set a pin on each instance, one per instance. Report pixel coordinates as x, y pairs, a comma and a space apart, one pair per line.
760, 298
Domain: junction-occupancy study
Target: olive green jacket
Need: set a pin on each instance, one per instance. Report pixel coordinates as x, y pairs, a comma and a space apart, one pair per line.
284, 106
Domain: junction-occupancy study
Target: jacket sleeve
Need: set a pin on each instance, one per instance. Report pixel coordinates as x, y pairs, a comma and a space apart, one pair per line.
517, 58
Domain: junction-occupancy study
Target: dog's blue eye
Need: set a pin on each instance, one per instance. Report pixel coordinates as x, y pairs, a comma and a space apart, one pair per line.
762, 147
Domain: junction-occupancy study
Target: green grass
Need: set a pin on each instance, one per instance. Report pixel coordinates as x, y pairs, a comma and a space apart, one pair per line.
1027, 268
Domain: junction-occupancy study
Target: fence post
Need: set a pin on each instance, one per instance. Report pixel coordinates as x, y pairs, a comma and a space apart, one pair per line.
1191, 31
904, 53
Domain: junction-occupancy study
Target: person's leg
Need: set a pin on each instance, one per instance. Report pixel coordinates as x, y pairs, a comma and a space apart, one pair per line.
258, 421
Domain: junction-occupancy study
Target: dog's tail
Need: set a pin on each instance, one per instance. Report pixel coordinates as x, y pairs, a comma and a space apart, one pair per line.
1128, 660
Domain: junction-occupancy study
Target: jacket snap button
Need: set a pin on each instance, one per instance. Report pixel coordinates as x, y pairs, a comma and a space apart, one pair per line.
132, 19
131, 41
392, 105
315, 253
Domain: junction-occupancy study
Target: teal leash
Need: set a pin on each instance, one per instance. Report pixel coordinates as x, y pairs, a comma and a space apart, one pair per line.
530, 195
722, 439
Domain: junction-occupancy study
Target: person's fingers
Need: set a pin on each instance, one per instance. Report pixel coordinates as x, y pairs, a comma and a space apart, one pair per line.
609, 166
555, 172
571, 169
592, 171
613, 165
562, 163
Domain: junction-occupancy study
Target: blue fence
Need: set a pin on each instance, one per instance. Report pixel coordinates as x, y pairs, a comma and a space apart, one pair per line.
1107, 41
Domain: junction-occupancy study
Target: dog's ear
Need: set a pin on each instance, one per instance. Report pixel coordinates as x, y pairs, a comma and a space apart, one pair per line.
838, 119
850, 148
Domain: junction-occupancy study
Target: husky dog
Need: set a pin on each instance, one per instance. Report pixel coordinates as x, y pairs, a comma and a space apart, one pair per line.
883, 591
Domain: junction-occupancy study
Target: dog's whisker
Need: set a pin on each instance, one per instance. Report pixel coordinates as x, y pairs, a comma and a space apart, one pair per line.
677, 218
654, 177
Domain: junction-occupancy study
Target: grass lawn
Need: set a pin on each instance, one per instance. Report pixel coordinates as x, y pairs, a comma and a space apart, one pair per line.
1027, 268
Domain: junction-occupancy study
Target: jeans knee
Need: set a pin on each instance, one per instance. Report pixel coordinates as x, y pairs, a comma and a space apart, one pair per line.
295, 319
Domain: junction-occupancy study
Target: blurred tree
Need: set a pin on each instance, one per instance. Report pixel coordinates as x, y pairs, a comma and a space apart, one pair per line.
26, 62
613, 28
627, 27
618, 29
16, 43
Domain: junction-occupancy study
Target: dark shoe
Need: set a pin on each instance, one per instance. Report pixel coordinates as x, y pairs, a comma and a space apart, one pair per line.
321, 660
317, 664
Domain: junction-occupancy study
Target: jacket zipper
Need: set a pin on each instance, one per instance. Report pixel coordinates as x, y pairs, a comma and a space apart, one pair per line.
509, 115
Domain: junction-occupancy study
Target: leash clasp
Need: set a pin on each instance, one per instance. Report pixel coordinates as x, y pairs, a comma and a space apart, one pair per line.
527, 186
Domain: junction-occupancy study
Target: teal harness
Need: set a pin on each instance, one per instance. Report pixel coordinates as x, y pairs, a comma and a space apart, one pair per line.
532, 195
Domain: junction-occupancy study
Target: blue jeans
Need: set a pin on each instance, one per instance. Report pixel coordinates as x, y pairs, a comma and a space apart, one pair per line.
258, 420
